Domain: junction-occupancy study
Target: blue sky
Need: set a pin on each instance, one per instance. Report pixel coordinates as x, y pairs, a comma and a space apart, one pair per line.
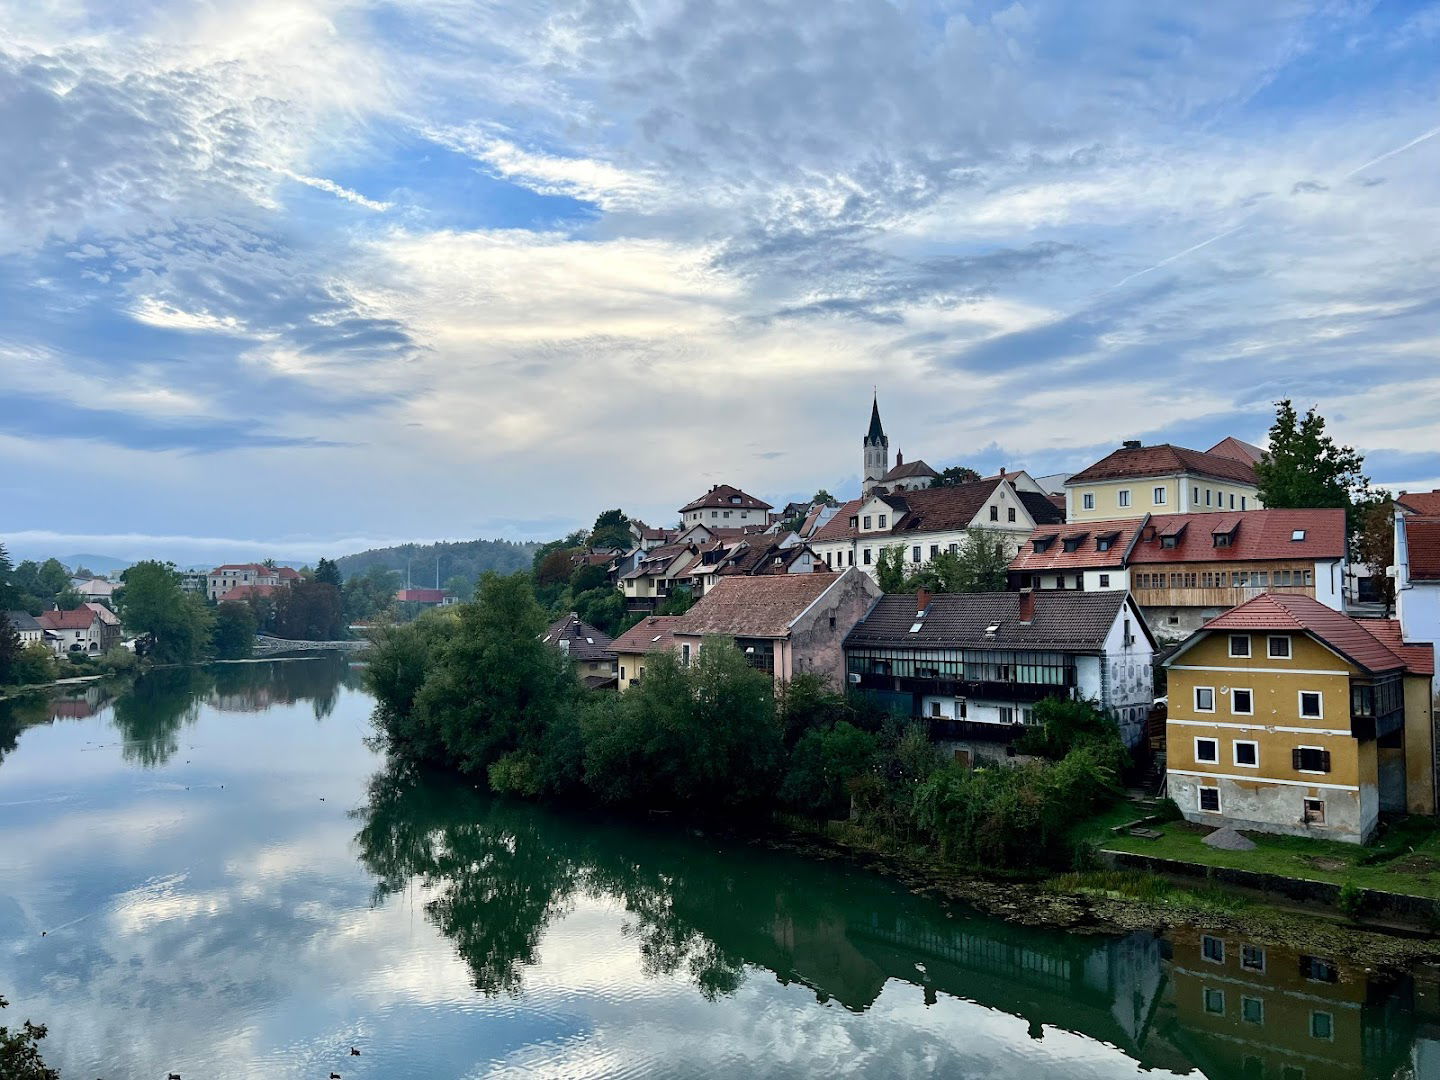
301, 276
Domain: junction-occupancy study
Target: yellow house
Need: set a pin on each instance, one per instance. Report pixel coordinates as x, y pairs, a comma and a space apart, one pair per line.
1163, 479
1287, 716
653, 634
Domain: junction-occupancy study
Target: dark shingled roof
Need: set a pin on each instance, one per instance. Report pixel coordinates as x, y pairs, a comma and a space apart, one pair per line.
721, 496
910, 468
1061, 621
22, 620
586, 642
876, 433
1162, 460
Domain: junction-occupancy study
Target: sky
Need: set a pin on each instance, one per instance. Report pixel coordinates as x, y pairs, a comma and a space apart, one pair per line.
301, 277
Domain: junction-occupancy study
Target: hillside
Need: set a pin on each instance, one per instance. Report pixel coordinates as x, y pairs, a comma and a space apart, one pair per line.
465, 558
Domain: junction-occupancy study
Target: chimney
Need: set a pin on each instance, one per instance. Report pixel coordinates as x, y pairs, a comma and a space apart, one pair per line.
1002, 472
899, 457
1130, 444
922, 600
1027, 607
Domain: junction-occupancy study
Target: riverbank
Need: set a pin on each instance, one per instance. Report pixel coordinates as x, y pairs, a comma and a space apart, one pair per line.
1114, 902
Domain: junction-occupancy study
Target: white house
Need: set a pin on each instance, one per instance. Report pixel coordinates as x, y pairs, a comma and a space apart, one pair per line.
80, 630
726, 507
1417, 578
236, 575
26, 627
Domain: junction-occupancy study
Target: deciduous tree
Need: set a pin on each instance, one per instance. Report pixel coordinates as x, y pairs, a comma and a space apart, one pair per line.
176, 624
955, 474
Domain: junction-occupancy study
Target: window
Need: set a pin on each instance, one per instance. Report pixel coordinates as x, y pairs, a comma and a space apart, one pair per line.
1212, 948
1158, 496
1215, 1002
1207, 750
1122, 497
934, 550
1247, 753
1278, 647
1007, 714
1210, 800
1232, 500
727, 513
685, 654
880, 522
915, 553
865, 556
866, 523
1252, 958
1011, 514
1322, 1025
1104, 581
1317, 970
1252, 1010
1314, 812
1310, 705
994, 513
1298, 534
832, 622
1310, 759
1242, 502
1204, 699
935, 708
1240, 645
1088, 500
954, 549
1208, 493
1196, 499
1171, 541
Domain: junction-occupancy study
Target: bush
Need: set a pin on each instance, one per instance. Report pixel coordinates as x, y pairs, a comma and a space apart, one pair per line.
1350, 899
119, 660
825, 766
36, 664
1167, 809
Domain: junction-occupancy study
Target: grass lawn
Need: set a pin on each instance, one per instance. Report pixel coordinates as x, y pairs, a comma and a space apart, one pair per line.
1405, 858
1096, 830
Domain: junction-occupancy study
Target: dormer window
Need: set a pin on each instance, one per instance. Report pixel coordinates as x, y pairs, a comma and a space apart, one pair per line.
1222, 540
1042, 544
1072, 543
1169, 541
735, 500
854, 522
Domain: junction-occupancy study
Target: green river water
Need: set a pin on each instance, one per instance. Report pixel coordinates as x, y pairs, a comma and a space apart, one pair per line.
210, 873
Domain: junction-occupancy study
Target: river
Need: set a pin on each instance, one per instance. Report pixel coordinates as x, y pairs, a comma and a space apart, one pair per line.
211, 874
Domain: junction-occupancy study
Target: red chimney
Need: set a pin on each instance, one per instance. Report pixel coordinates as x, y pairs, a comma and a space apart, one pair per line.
1027, 606
922, 600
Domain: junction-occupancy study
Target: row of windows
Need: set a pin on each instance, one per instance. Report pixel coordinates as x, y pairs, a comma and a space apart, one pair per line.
1310, 704
1207, 799
1225, 579
968, 665
1252, 1011
1277, 646
1160, 495
1008, 714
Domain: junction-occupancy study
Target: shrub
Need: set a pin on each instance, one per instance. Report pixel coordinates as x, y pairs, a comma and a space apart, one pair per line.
1350, 899
36, 664
119, 660
1167, 809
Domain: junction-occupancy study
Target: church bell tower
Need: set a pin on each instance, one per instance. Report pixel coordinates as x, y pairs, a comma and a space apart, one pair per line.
877, 452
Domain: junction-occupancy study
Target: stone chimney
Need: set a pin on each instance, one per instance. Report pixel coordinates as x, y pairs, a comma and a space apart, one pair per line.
1027, 607
1130, 444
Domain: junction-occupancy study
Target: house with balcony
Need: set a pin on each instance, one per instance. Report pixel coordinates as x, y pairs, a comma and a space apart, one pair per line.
1287, 716
1185, 569
725, 506
1417, 574
1163, 479
588, 649
785, 624
927, 522
974, 665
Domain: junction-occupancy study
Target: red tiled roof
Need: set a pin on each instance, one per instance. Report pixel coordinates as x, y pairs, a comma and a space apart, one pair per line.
106, 616
287, 573
1419, 657
245, 592
75, 619
254, 567
1238, 449
754, 606
1422, 542
1088, 554
1347, 636
1261, 535
655, 633
1162, 460
1424, 503
417, 596
721, 495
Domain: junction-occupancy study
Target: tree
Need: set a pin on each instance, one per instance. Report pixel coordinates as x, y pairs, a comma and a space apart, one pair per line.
20, 1052
955, 474
308, 611
9, 649
680, 600
53, 577
177, 624
1303, 466
460, 587
981, 564
890, 568
68, 599
612, 530
234, 635
824, 498
327, 572
1375, 544
370, 594
9, 593
35, 665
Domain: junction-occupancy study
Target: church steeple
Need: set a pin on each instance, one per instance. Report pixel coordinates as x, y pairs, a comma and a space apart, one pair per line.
877, 451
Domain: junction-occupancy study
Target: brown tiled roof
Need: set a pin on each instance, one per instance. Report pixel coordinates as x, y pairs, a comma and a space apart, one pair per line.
600, 682
1238, 449
1088, 554
252, 566
1297, 613
763, 606
1061, 621
75, 619
1424, 503
586, 642
838, 527
1422, 541
106, 616
908, 469
1419, 657
721, 495
412, 596
1258, 535
1162, 460
942, 509
655, 633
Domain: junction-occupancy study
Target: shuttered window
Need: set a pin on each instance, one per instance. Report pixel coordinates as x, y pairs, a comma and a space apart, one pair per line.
1310, 759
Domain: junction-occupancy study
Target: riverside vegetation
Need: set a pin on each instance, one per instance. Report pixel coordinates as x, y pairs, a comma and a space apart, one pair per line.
476, 690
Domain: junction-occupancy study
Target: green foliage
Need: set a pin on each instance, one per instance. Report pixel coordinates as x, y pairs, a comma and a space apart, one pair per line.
612, 530
20, 1052
9, 649
1167, 809
680, 600
1304, 467
1375, 542
462, 588
588, 576
1350, 900
327, 572
308, 611
890, 569
370, 595
824, 498
35, 664
176, 625
68, 599
981, 564
467, 558
233, 637
119, 660
602, 607
398, 662
825, 766
1062, 725
9, 593
955, 474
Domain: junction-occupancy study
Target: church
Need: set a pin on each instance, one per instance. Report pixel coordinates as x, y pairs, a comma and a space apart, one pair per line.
912, 476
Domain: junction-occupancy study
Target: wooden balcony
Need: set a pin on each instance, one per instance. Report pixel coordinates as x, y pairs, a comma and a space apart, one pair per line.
1211, 598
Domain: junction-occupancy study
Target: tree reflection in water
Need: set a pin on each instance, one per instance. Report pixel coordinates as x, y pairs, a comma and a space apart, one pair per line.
150, 715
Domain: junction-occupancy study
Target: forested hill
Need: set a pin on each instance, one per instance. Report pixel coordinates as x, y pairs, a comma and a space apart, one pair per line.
464, 558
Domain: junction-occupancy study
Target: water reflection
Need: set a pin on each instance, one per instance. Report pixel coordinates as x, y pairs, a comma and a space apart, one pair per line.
499, 874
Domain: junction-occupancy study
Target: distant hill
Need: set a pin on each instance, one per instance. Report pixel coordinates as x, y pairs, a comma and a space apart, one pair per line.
467, 558
101, 564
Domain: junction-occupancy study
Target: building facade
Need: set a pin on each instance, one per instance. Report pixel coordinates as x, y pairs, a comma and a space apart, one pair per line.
588, 649
633, 649
1163, 479
726, 507
976, 664
1287, 716
1417, 577
238, 575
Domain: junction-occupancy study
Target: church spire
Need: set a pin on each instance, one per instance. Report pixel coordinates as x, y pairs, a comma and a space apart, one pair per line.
877, 451
876, 434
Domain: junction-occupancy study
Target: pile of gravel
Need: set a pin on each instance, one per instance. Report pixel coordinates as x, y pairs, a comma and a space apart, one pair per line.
1227, 839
